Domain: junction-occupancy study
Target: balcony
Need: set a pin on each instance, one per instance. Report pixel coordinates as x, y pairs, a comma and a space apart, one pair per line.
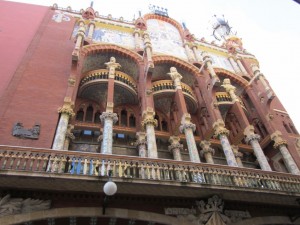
82, 171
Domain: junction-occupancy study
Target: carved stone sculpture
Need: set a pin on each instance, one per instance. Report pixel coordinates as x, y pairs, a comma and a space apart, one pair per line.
32, 133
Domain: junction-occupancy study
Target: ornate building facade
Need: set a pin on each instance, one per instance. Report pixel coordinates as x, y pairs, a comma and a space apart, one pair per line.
191, 132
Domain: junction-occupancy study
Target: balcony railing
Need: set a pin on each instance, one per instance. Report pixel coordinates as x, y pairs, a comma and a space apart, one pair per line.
225, 98
95, 164
102, 74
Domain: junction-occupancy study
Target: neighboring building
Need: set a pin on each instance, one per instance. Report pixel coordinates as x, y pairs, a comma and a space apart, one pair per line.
191, 132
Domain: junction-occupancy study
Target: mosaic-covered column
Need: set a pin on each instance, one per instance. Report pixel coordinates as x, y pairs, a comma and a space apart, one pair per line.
66, 112
253, 139
141, 144
108, 119
188, 129
208, 63
234, 65
175, 147
230, 89
261, 77
69, 136
149, 123
207, 151
238, 155
148, 48
281, 144
221, 132
91, 29
241, 66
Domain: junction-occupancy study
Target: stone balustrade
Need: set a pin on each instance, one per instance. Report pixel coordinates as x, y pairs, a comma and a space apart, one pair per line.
102, 74
95, 164
225, 98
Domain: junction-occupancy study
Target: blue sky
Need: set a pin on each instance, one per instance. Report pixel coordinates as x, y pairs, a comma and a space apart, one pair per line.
269, 29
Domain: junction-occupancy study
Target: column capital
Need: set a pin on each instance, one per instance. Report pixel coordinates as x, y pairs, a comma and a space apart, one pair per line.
278, 140
174, 139
92, 22
252, 137
109, 115
219, 128
112, 65
147, 121
186, 123
140, 142
141, 139
81, 32
148, 117
205, 145
137, 31
175, 146
67, 107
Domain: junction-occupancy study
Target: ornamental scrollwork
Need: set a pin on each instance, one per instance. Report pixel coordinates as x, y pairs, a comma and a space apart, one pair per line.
109, 115
252, 137
67, 108
185, 126
150, 121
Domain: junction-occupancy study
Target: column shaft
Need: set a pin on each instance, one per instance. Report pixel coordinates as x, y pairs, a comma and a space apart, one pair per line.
151, 141
176, 154
227, 150
91, 31
61, 130
142, 151
106, 147
288, 160
190, 140
261, 158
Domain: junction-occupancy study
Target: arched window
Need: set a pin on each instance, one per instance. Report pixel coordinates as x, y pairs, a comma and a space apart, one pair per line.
132, 121
123, 117
97, 117
79, 115
89, 114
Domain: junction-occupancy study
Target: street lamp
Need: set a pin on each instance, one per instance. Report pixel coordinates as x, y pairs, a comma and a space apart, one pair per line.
109, 189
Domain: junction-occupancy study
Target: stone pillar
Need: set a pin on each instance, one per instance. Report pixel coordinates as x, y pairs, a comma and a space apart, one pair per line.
91, 30
188, 51
253, 139
175, 147
194, 48
136, 34
188, 128
69, 136
234, 66
176, 77
221, 132
141, 144
111, 66
238, 155
241, 66
149, 123
208, 63
230, 89
79, 37
108, 119
281, 144
207, 151
66, 112
261, 77
148, 48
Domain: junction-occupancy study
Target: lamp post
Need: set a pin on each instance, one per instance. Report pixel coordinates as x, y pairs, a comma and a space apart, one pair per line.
109, 189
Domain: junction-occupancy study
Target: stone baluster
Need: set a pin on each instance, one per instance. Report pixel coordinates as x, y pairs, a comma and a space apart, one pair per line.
230, 89
188, 129
141, 144
148, 48
91, 30
234, 65
260, 76
149, 123
241, 66
253, 139
221, 132
238, 155
66, 112
207, 151
108, 118
281, 144
208, 64
175, 147
69, 136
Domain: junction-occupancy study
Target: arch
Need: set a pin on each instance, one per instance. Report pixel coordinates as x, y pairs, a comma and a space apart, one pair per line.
160, 59
90, 212
168, 20
239, 80
98, 48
